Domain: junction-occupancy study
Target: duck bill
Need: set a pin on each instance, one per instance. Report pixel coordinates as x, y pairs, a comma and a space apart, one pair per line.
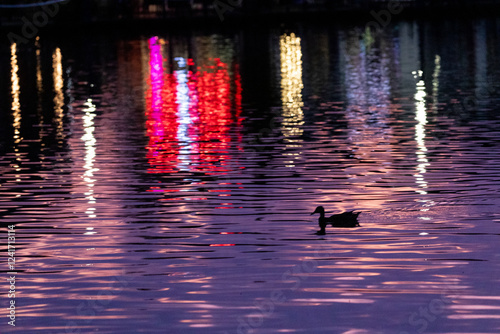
315, 211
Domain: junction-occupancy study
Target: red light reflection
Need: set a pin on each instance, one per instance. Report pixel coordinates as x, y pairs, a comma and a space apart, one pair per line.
214, 94
190, 122
209, 115
161, 106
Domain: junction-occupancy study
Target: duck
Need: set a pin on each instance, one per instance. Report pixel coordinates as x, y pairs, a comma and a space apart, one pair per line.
346, 219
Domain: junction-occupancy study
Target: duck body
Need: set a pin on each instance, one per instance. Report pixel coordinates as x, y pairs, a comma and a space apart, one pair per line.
346, 219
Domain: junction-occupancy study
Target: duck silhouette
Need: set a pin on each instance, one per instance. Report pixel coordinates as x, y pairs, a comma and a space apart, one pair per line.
346, 219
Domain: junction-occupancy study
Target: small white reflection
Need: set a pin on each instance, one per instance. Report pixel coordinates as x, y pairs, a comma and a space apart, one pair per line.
90, 230
421, 117
423, 233
90, 212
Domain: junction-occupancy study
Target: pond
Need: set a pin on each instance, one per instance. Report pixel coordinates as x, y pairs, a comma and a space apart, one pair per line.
163, 181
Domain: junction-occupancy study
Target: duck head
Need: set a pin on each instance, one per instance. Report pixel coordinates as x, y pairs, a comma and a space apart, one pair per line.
319, 209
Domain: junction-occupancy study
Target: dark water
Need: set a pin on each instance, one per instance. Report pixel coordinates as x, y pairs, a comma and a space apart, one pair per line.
164, 183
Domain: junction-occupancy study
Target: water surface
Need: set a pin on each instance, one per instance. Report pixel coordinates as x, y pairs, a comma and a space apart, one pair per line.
163, 183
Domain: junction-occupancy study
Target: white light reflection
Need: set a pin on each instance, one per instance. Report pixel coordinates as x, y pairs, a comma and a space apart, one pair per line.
16, 105
58, 89
421, 117
183, 116
291, 92
90, 153
90, 231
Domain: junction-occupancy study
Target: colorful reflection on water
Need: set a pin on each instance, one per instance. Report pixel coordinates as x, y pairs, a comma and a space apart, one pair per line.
151, 195
161, 109
190, 113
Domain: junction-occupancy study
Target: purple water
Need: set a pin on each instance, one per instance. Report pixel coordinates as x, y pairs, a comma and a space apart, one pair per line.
163, 183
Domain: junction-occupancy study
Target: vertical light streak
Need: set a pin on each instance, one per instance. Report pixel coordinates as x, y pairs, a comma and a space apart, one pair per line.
15, 89
238, 92
214, 109
161, 113
421, 117
90, 152
291, 84
435, 83
39, 81
157, 70
58, 90
291, 92
184, 119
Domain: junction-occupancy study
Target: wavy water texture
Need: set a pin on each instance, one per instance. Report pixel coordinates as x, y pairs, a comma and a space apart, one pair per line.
164, 184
